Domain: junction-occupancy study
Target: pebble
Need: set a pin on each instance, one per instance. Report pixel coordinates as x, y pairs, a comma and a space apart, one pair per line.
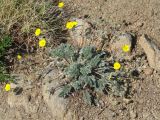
151, 50
148, 71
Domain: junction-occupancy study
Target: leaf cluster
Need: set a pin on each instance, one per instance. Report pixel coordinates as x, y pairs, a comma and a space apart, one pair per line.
5, 43
88, 72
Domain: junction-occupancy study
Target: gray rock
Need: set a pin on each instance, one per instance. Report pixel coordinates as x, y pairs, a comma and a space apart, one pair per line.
148, 71
57, 105
79, 33
133, 114
121, 40
13, 85
118, 42
109, 114
151, 50
127, 101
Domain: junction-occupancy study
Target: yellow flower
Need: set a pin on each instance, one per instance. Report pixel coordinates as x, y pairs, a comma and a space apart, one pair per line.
8, 87
38, 32
70, 25
19, 57
98, 49
117, 66
61, 4
126, 48
42, 42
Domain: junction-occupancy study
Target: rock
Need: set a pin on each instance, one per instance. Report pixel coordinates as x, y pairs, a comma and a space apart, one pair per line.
133, 115
117, 44
85, 34
82, 118
57, 105
151, 50
18, 90
78, 34
127, 101
13, 85
148, 71
109, 114
123, 39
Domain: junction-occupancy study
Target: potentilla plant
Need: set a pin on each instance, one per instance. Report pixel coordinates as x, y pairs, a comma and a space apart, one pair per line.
88, 72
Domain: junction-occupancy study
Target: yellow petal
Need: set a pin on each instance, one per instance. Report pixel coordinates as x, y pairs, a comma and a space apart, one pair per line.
117, 66
38, 32
126, 48
19, 57
75, 23
61, 4
7, 87
42, 43
70, 25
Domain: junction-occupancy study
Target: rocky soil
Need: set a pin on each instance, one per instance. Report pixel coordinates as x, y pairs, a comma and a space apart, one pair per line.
106, 24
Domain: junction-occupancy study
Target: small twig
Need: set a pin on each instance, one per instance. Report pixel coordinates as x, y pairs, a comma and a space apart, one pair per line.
101, 111
58, 87
67, 61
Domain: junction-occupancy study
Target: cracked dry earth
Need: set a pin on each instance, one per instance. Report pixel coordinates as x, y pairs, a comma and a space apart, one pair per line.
137, 16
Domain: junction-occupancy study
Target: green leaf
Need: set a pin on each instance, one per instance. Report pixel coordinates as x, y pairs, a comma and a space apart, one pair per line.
4, 44
77, 85
87, 97
100, 85
85, 70
87, 52
69, 51
65, 91
88, 80
3, 74
117, 88
73, 70
95, 61
64, 51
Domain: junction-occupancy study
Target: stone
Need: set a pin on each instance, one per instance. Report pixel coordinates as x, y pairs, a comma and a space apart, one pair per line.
57, 105
13, 85
78, 34
85, 34
118, 42
151, 50
123, 39
127, 101
109, 114
133, 114
148, 71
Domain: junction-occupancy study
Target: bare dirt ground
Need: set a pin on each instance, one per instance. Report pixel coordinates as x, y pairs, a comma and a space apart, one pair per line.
141, 16
137, 16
